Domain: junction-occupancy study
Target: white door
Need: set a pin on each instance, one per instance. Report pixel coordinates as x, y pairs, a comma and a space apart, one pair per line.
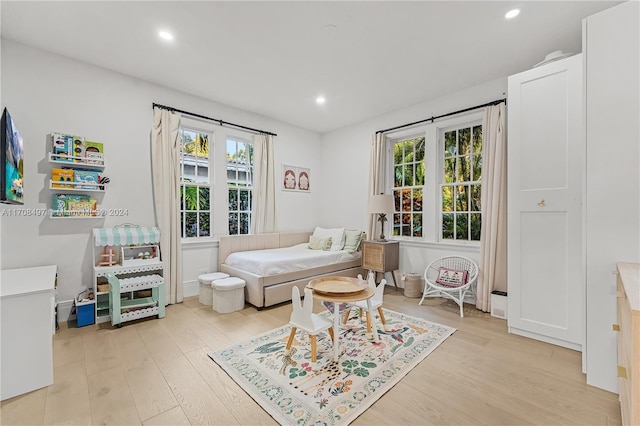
546, 163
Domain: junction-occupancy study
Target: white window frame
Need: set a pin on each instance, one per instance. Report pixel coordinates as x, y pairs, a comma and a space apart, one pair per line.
434, 174
201, 127
248, 141
468, 122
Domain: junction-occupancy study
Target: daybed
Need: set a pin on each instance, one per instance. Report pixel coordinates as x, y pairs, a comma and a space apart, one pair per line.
269, 285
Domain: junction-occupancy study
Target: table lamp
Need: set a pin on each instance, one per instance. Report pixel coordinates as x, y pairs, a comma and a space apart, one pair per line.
381, 205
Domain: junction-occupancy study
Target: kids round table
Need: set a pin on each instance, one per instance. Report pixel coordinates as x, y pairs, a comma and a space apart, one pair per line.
342, 290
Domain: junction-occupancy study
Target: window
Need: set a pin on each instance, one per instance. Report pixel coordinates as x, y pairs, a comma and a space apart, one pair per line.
460, 188
408, 186
240, 185
195, 191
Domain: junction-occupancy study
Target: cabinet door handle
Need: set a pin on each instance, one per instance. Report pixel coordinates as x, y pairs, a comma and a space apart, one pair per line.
615, 327
622, 372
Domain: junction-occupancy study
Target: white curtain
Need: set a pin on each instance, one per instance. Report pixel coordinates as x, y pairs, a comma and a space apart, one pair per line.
264, 186
493, 236
376, 177
165, 164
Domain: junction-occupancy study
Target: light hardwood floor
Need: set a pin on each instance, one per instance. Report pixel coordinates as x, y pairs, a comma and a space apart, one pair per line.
156, 372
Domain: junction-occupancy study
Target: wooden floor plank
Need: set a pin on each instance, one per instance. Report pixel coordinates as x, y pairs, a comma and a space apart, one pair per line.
173, 417
149, 389
69, 385
110, 399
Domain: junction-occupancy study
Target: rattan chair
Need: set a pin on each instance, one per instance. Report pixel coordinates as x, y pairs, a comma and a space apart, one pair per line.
442, 278
303, 318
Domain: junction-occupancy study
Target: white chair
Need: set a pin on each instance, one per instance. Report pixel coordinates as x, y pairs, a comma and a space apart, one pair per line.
376, 303
451, 277
303, 318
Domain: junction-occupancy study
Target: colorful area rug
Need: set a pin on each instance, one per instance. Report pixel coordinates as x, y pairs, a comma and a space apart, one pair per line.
293, 391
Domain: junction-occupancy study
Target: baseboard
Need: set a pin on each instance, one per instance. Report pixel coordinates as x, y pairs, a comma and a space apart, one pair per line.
190, 288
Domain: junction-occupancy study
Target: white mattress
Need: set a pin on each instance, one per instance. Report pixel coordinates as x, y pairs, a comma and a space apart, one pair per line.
287, 259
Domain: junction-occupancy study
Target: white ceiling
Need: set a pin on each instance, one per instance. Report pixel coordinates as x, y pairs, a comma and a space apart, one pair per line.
274, 58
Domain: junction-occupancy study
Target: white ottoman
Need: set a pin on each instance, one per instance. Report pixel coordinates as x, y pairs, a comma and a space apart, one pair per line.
205, 280
228, 294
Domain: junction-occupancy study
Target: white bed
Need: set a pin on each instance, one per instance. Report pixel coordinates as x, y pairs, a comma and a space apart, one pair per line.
286, 259
271, 264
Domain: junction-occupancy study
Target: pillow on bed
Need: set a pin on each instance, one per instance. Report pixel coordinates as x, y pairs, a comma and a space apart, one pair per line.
352, 240
319, 243
336, 235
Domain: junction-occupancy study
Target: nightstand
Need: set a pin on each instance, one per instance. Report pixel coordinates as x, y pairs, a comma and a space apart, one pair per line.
381, 256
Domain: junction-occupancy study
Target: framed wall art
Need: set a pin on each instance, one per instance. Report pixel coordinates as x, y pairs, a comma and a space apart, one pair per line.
296, 178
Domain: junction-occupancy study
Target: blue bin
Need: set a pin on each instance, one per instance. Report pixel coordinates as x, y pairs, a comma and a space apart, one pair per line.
85, 312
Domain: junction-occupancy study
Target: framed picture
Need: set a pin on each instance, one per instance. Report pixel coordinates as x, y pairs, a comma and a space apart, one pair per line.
296, 178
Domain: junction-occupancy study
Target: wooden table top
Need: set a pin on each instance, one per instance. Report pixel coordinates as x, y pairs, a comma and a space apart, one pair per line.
366, 293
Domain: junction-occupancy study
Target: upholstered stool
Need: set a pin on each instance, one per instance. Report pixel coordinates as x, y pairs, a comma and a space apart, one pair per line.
228, 294
206, 292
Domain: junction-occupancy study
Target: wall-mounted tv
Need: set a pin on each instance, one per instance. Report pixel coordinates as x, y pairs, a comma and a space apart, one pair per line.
11, 161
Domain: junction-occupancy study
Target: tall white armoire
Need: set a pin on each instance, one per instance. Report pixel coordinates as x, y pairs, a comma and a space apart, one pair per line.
546, 167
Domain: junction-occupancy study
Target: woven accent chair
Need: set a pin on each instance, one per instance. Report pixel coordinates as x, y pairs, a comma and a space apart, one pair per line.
303, 318
376, 303
451, 277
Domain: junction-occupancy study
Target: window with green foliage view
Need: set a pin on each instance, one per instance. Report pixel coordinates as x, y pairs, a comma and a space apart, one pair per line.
460, 188
195, 208
240, 185
408, 186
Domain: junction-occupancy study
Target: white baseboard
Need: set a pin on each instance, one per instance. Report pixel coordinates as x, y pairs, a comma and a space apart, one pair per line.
190, 288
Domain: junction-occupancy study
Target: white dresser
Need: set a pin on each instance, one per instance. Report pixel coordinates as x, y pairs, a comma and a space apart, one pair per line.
27, 324
628, 327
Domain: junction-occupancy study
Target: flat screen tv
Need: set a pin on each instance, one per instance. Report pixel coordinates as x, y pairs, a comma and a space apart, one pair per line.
11, 161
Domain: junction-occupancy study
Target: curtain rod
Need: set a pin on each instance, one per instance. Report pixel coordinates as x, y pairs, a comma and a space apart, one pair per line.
221, 122
496, 102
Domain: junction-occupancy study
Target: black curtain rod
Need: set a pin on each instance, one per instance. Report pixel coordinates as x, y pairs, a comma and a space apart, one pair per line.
221, 122
496, 102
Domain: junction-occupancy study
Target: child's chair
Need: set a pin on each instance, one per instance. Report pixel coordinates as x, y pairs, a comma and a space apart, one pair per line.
376, 303
303, 318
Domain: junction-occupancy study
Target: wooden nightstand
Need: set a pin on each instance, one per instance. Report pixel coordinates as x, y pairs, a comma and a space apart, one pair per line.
381, 256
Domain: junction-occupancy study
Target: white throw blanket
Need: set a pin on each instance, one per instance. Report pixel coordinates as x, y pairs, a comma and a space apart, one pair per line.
286, 259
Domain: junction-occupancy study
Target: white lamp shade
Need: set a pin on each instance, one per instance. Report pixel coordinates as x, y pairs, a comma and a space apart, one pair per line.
381, 204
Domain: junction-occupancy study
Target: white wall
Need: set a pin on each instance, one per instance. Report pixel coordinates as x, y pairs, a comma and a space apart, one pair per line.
46, 92
345, 165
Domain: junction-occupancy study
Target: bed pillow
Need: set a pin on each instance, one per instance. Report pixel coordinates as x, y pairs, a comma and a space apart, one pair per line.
336, 235
451, 277
319, 243
352, 240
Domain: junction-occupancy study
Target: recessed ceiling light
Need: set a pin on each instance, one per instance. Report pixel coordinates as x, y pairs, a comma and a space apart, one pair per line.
165, 35
320, 100
512, 13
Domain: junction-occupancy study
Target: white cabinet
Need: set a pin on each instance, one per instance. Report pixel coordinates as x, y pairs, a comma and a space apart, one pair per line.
27, 306
612, 57
546, 164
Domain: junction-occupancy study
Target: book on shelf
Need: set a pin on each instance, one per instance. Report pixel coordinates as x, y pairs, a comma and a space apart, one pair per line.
68, 205
60, 176
94, 152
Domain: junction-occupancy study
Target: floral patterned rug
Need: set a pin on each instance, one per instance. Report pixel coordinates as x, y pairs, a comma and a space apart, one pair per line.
294, 391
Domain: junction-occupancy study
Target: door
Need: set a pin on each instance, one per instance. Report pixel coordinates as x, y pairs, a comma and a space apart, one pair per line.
546, 163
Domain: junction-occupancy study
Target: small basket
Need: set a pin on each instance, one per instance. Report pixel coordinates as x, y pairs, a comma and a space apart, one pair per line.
413, 285
103, 288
